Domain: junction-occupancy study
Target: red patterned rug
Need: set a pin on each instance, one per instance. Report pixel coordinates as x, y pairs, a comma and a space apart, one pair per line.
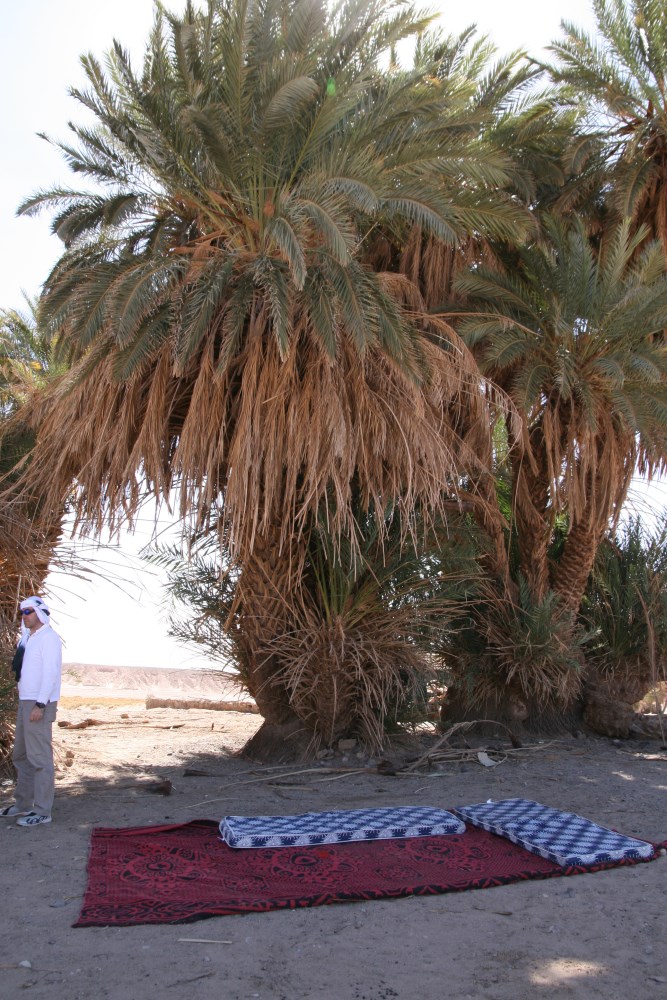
175, 874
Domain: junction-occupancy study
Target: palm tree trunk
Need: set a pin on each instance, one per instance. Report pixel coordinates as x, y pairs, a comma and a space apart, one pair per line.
532, 521
571, 573
267, 579
490, 520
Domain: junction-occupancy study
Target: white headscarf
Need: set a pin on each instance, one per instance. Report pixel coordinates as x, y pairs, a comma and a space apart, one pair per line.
40, 608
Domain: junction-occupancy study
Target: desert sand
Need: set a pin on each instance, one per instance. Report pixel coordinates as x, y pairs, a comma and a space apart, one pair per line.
591, 936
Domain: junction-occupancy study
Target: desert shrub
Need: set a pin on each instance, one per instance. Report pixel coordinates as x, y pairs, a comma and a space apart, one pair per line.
521, 650
625, 609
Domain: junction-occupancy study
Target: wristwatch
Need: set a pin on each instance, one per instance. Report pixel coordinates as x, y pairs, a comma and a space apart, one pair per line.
40, 704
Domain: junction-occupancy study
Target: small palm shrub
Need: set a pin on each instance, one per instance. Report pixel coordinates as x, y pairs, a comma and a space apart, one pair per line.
202, 591
519, 657
360, 646
367, 626
625, 610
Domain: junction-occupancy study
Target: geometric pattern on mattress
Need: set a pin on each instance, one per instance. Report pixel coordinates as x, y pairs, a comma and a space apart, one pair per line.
562, 837
338, 827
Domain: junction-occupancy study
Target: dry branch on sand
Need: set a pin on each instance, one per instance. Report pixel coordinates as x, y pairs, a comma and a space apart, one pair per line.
211, 705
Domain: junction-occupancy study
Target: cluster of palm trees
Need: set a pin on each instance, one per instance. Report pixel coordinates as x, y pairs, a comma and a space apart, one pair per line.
355, 314
29, 533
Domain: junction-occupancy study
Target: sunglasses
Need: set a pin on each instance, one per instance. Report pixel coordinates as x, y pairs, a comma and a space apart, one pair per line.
27, 611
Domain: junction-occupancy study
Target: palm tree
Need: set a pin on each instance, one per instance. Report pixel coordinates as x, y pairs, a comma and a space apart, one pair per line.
626, 609
620, 79
228, 300
29, 532
570, 335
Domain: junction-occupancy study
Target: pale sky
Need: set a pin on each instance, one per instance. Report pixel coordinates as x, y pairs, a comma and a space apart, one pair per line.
121, 623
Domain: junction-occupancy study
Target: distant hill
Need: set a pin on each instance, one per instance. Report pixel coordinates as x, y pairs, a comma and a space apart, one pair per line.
152, 680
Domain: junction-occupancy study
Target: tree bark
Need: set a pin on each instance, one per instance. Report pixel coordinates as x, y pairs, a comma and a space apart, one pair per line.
266, 582
570, 574
532, 514
489, 518
511, 708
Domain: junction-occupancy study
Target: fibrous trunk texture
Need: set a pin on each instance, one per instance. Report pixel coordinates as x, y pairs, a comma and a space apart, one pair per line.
263, 594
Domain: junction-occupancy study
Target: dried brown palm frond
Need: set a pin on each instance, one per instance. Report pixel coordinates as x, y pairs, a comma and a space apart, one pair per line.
27, 543
346, 679
274, 437
432, 265
360, 636
26, 548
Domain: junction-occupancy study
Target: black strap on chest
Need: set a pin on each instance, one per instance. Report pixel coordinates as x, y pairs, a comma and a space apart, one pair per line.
17, 661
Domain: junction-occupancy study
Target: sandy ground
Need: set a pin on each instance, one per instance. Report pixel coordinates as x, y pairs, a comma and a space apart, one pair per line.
592, 936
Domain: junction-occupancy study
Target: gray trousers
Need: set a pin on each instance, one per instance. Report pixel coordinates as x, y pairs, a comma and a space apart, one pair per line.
33, 759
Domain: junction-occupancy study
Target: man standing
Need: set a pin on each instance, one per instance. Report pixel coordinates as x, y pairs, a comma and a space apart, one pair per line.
38, 674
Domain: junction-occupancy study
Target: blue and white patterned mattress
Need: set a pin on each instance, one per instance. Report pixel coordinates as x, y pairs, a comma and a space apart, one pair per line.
306, 829
562, 837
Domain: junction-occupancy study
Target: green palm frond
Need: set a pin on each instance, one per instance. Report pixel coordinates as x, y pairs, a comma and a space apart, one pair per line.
574, 334
141, 347
28, 360
238, 133
203, 305
287, 106
620, 80
281, 233
272, 277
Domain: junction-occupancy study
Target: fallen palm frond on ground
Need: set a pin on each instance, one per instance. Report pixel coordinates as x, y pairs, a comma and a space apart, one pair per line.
460, 728
487, 754
156, 786
205, 703
409, 766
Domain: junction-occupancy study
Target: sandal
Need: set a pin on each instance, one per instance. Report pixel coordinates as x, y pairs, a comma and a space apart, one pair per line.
13, 811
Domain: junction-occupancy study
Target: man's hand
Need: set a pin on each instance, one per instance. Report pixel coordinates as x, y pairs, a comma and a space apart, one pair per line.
37, 714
